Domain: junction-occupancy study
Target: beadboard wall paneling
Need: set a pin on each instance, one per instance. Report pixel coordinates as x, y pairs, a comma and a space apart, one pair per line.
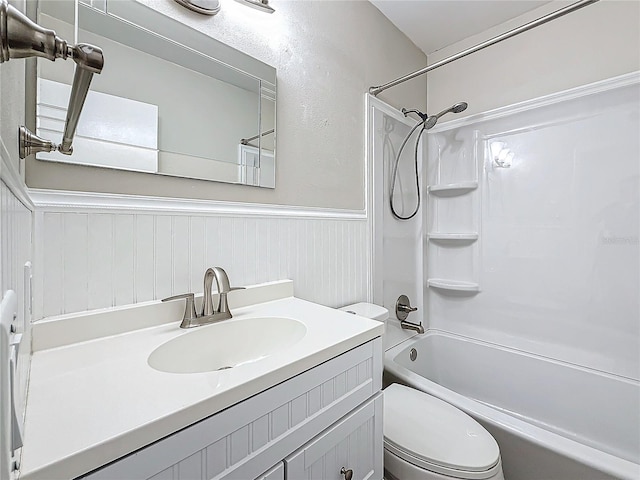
15, 252
93, 257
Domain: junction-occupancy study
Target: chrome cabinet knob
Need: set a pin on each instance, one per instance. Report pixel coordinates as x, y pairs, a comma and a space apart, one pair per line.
348, 474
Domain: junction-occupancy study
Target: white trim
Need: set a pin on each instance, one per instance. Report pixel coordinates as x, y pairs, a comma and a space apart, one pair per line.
60, 201
627, 79
376, 267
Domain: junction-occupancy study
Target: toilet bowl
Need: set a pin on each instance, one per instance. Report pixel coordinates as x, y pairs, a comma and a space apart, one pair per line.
426, 438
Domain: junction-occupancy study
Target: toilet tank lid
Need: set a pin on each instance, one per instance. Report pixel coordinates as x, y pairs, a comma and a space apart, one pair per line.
368, 310
436, 433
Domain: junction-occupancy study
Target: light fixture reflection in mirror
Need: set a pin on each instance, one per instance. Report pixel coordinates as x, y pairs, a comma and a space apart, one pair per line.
205, 7
175, 106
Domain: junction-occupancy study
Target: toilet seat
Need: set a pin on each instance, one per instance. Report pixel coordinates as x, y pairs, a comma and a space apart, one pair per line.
431, 434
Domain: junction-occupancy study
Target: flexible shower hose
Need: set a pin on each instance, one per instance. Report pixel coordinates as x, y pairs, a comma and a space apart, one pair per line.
395, 172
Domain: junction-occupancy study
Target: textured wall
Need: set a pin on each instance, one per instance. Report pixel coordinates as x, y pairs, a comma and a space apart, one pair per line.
596, 42
327, 55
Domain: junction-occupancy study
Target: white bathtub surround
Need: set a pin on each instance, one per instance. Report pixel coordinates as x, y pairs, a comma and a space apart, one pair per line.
531, 247
542, 255
551, 419
94, 401
101, 251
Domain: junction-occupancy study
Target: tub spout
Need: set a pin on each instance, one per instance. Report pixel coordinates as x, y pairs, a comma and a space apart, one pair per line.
416, 327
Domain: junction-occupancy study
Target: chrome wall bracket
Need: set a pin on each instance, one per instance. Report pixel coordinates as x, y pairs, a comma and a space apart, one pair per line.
29, 143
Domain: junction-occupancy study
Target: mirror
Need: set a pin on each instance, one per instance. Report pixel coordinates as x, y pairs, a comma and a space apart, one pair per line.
170, 100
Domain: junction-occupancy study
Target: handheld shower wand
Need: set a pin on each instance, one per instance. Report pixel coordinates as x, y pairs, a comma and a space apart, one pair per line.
22, 38
427, 122
431, 121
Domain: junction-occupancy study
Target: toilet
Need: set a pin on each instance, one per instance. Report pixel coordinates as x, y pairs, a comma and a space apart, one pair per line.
426, 438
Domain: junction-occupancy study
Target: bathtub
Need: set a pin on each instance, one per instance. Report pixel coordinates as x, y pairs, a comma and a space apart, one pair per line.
552, 420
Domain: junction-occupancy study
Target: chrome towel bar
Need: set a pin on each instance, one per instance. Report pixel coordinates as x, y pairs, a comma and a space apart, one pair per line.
22, 38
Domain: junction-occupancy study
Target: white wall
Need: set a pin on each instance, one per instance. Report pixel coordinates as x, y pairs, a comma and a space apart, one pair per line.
327, 55
596, 42
15, 249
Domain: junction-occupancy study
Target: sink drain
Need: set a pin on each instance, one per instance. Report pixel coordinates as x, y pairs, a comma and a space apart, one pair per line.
224, 368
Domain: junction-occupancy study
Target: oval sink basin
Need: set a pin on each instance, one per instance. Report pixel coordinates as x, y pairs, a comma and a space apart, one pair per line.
227, 344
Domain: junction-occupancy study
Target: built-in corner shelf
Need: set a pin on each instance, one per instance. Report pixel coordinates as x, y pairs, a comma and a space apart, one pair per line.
453, 189
453, 285
453, 237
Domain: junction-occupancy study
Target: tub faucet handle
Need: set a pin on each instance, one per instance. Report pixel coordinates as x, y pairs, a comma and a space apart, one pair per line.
404, 308
407, 308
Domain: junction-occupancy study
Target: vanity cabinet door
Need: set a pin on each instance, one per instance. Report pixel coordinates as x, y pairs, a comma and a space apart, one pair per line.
354, 443
275, 473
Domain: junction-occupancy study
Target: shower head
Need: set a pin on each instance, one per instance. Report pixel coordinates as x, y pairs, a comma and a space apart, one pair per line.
433, 119
459, 107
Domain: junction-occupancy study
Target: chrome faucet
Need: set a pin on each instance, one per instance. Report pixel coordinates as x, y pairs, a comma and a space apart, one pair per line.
403, 309
222, 282
210, 314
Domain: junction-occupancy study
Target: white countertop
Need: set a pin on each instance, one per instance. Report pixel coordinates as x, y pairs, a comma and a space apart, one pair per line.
92, 402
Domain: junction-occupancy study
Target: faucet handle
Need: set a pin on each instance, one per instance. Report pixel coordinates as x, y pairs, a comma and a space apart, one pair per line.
189, 309
404, 308
223, 305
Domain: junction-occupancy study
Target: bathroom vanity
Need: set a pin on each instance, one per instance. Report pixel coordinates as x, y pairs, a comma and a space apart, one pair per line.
98, 409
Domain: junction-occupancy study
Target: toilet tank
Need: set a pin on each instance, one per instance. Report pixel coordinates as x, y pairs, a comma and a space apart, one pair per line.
394, 333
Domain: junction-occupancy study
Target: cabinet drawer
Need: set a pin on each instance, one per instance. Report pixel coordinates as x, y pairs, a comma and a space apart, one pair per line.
354, 443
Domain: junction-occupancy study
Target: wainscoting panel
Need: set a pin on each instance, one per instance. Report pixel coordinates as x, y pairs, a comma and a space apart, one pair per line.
96, 257
15, 252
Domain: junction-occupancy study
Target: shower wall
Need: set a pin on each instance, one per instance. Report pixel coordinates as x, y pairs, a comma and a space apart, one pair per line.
397, 245
533, 221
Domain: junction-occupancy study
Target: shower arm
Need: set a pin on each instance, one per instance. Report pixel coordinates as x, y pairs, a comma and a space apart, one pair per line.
22, 38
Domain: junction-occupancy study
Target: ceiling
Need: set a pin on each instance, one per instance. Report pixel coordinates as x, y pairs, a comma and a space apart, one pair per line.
434, 24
